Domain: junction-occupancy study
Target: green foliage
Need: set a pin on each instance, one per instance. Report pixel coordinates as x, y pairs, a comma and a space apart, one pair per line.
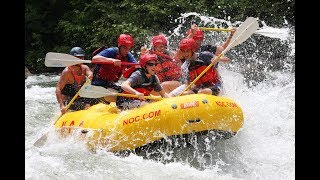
59, 25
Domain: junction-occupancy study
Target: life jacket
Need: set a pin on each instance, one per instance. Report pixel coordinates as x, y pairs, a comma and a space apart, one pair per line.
79, 80
126, 74
167, 69
109, 72
208, 79
147, 86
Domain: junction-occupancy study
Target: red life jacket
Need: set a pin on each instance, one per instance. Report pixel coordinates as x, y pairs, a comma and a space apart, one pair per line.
109, 72
208, 79
79, 80
168, 69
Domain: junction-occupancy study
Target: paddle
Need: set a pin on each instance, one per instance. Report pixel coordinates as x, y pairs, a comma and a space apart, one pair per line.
54, 59
262, 32
243, 32
40, 142
91, 91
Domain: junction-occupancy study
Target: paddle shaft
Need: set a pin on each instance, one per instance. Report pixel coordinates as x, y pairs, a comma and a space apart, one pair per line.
104, 62
54, 59
92, 91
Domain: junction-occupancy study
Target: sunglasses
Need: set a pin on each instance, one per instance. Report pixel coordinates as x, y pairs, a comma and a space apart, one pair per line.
151, 64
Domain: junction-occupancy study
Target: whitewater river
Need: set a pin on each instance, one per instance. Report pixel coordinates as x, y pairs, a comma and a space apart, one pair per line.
263, 149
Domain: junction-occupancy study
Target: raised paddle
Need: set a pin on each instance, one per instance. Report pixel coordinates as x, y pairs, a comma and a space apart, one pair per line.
54, 59
243, 32
40, 142
272, 33
91, 91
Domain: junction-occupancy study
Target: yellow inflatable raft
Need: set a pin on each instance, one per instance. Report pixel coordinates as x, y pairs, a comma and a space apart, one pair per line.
105, 126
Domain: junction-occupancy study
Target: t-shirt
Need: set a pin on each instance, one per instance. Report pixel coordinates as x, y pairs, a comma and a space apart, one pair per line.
112, 53
137, 79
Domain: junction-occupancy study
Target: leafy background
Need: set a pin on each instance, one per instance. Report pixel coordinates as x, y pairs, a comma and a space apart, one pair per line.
58, 25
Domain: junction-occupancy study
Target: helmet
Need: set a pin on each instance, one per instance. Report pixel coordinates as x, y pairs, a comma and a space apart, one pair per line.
198, 34
146, 58
125, 40
206, 56
77, 51
160, 39
187, 44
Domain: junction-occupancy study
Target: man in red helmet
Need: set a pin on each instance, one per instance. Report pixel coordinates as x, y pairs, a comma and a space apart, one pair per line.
141, 82
197, 34
107, 75
168, 69
193, 66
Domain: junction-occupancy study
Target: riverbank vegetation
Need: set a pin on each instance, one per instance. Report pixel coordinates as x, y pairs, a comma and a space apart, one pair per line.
58, 25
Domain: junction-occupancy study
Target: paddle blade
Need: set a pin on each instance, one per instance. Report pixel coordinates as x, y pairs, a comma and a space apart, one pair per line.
243, 32
179, 90
54, 59
91, 91
41, 141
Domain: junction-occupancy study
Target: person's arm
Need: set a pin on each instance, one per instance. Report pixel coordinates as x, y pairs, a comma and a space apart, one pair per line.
106, 55
60, 85
126, 86
89, 73
224, 59
223, 46
116, 62
193, 28
164, 94
226, 43
143, 50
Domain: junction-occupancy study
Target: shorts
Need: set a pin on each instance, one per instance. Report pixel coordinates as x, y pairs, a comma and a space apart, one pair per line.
80, 103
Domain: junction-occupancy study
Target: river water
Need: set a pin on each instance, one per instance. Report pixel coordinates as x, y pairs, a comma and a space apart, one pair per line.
261, 83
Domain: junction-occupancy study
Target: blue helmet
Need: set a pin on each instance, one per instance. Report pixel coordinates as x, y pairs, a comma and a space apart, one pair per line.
77, 51
206, 56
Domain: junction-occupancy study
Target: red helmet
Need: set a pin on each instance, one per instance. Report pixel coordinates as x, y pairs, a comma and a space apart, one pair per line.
125, 40
160, 39
187, 44
146, 58
198, 34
